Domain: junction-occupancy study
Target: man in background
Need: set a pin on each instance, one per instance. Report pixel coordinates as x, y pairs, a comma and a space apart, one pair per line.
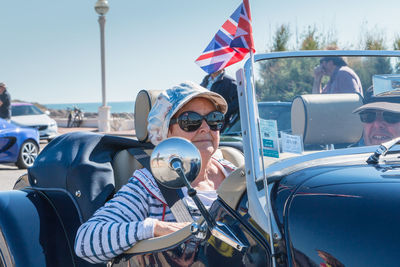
224, 85
342, 78
5, 102
381, 120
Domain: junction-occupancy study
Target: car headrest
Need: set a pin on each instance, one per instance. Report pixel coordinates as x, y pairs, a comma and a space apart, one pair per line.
144, 101
327, 118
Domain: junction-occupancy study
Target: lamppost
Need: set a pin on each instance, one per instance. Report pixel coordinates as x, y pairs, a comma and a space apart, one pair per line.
101, 8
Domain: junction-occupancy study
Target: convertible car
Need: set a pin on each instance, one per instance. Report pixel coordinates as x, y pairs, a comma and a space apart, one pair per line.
312, 196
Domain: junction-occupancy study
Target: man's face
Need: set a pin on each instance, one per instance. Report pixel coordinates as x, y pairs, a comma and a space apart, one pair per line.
381, 129
327, 67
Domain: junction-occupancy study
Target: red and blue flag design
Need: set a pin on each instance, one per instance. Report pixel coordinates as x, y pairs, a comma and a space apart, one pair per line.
233, 41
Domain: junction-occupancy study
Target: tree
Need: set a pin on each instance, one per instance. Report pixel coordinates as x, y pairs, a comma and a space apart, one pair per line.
396, 46
281, 38
310, 39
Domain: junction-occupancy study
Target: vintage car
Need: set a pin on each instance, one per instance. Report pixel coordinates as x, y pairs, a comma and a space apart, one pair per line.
315, 196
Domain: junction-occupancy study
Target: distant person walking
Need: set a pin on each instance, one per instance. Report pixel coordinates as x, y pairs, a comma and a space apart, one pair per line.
5, 102
224, 85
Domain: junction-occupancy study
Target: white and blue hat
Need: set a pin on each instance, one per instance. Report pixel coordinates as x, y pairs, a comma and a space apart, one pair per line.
170, 101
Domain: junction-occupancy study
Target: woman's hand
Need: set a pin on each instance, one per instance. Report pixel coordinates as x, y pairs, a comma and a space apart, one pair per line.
163, 228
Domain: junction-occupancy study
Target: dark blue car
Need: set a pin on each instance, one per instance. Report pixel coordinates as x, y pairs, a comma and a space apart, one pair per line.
18, 145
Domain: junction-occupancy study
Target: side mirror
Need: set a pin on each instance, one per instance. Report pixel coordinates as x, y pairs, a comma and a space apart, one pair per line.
47, 113
170, 151
175, 163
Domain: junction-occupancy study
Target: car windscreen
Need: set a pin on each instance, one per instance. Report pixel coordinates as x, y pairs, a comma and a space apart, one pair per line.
23, 110
327, 96
279, 111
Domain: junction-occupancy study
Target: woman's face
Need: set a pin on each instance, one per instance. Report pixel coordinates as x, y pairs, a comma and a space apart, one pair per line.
206, 140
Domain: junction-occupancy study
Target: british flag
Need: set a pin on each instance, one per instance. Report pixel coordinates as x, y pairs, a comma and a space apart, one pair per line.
231, 43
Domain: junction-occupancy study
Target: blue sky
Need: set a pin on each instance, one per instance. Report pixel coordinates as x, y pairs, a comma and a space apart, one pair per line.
50, 50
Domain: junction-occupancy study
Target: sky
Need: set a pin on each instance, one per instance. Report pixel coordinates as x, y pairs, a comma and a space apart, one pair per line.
50, 49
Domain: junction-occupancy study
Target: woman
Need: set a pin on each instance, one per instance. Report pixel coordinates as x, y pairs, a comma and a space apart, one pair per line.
138, 211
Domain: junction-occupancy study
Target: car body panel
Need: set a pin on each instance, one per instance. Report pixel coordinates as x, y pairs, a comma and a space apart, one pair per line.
345, 214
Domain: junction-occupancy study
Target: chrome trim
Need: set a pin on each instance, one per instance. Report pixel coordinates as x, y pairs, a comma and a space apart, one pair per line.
321, 53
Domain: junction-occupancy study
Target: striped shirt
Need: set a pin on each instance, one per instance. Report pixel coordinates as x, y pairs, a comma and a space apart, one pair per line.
127, 218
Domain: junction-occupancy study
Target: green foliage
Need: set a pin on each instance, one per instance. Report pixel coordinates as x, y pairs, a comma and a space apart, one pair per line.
396, 46
310, 40
284, 79
281, 38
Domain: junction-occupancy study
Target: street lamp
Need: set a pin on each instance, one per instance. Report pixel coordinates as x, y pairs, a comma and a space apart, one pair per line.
101, 8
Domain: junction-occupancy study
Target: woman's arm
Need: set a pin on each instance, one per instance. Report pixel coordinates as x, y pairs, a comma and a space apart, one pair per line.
116, 226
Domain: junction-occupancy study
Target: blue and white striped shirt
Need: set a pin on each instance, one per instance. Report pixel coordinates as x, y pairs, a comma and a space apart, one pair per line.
127, 218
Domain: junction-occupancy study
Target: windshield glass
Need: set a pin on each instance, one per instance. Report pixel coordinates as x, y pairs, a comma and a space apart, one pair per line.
22, 110
326, 97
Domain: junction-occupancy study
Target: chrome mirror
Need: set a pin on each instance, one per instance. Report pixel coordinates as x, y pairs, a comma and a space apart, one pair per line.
167, 153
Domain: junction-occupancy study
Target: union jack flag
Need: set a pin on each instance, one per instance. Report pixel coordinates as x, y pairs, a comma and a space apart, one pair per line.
231, 44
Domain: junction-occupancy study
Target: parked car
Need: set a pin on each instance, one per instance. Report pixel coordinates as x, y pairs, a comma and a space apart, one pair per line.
18, 145
27, 114
279, 111
324, 200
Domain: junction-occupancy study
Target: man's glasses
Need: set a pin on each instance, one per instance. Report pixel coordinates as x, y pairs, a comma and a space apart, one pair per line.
370, 116
190, 121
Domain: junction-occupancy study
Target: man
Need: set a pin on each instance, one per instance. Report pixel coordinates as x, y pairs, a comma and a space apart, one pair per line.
5, 102
381, 120
342, 78
224, 85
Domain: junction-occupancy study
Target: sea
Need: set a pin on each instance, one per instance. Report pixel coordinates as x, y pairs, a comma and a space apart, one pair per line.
116, 107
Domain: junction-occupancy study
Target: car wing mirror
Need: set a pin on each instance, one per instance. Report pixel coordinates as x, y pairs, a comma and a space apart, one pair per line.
175, 163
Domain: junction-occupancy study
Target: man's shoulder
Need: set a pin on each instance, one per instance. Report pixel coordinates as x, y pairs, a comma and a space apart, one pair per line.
346, 71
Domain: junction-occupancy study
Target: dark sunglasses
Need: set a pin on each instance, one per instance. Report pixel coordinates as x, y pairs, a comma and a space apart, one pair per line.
370, 116
190, 121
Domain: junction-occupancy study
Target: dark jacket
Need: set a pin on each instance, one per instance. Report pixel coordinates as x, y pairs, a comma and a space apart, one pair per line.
5, 109
226, 86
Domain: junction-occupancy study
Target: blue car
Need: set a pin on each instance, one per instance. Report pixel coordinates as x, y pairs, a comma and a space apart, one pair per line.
18, 145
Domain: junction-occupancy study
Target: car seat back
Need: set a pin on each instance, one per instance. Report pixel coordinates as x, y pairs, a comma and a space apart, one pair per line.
323, 119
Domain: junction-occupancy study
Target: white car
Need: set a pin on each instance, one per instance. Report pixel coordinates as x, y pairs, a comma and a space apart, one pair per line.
28, 115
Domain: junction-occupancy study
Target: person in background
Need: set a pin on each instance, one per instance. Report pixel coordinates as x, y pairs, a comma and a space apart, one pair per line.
138, 210
220, 83
5, 102
342, 78
381, 120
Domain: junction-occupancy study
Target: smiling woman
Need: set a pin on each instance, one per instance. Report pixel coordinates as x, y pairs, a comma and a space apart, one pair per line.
139, 211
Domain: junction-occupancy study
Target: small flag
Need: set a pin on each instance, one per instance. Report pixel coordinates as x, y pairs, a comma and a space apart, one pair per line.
231, 43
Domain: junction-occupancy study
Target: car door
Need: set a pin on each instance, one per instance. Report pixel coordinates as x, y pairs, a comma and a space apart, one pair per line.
6, 140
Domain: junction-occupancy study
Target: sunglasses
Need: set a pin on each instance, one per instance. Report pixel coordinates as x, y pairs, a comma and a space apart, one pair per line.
370, 116
190, 121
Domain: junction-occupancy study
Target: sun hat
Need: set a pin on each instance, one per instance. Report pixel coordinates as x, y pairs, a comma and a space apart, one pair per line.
170, 101
2, 85
391, 104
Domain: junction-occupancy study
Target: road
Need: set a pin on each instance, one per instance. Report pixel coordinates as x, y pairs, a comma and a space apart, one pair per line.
9, 173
